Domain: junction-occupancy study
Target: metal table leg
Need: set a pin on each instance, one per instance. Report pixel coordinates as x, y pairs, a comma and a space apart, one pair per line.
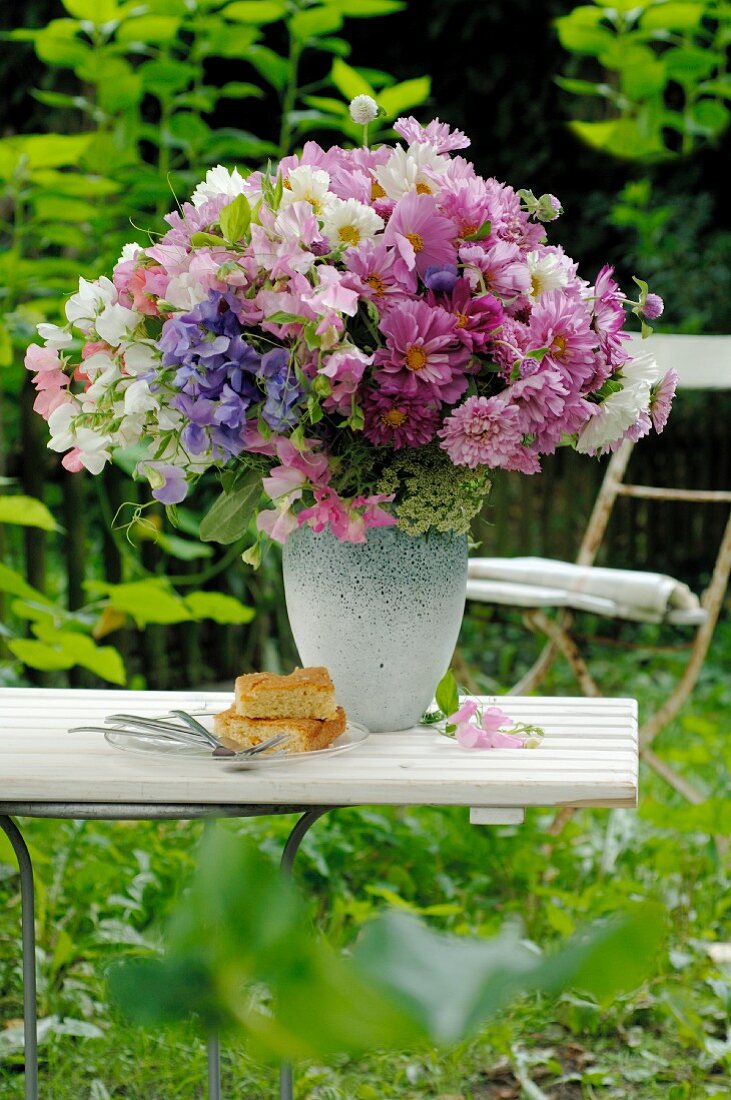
28, 939
214, 1068
295, 838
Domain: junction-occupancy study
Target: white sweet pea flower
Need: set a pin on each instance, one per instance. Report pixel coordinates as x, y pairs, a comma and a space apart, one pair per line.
363, 109
92, 298
140, 357
547, 272
101, 385
129, 252
53, 336
138, 399
347, 222
185, 291
115, 323
218, 181
306, 184
411, 169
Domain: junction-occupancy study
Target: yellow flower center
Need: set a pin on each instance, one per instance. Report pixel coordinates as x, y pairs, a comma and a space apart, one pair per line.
287, 184
377, 285
536, 283
558, 348
417, 241
462, 320
377, 191
423, 188
468, 229
416, 358
394, 418
314, 203
349, 234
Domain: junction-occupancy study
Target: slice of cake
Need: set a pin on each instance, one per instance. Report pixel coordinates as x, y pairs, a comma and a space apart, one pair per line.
306, 693
305, 734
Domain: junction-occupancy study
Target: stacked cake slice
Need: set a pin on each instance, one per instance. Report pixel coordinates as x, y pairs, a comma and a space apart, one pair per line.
301, 705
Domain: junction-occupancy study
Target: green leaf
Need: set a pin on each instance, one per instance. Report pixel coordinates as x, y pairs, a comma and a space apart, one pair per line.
317, 21
235, 219
15, 585
447, 693
229, 516
257, 12
96, 11
270, 65
581, 31
480, 234
401, 97
672, 17
165, 78
643, 79
239, 89
622, 138
349, 82
6, 346
202, 240
74, 648
219, 607
688, 64
709, 117
183, 549
39, 655
148, 601
149, 28
367, 9
26, 512
57, 44
52, 150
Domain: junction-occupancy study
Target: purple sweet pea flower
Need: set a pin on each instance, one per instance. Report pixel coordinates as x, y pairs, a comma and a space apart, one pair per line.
168, 482
441, 278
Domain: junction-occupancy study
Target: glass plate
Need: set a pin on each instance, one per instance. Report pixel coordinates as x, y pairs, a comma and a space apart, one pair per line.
141, 743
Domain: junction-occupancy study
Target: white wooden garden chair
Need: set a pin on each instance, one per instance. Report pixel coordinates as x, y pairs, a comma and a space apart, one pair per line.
540, 585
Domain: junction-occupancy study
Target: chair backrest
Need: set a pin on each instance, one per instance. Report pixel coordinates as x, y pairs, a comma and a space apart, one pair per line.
702, 362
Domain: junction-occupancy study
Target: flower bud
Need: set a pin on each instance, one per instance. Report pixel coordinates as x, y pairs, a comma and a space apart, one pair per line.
653, 307
363, 109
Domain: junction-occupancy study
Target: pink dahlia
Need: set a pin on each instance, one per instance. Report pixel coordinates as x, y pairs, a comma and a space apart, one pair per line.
484, 431
563, 325
421, 235
422, 355
662, 399
476, 319
395, 420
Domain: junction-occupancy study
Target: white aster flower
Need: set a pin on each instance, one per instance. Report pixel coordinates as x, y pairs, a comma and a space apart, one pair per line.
347, 222
306, 184
641, 372
53, 336
116, 323
218, 181
547, 272
411, 169
92, 298
363, 109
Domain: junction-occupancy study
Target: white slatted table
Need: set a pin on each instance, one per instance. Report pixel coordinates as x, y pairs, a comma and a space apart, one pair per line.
588, 758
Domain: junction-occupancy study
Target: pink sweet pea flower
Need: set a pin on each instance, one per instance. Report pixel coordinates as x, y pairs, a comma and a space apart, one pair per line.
277, 524
282, 481
466, 711
39, 358
71, 461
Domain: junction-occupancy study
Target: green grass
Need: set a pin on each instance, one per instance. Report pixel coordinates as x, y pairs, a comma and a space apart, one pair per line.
103, 888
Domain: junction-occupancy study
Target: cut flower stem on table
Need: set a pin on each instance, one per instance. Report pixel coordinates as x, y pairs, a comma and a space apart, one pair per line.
475, 726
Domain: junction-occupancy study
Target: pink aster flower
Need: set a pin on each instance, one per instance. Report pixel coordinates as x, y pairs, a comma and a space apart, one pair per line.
662, 399
540, 399
421, 352
422, 236
484, 431
607, 303
563, 325
437, 133
501, 268
393, 419
476, 319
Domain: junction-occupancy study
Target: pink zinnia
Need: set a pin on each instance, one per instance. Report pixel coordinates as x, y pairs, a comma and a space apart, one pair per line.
662, 399
422, 236
483, 432
393, 419
562, 324
421, 353
476, 319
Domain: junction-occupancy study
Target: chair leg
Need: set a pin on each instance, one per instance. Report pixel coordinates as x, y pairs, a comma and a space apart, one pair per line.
682, 786
568, 647
538, 670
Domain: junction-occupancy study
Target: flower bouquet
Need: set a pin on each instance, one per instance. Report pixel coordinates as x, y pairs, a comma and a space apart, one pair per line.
357, 337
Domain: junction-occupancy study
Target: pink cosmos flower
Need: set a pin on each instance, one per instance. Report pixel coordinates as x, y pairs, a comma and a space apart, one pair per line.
380, 274
662, 399
437, 133
393, 419
422, 236
563, 325
540, 399
502, 267
484, 431
467, 203
421, 353
476, 319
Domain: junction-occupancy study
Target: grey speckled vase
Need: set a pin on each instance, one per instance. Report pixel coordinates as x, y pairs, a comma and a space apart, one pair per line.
383, 616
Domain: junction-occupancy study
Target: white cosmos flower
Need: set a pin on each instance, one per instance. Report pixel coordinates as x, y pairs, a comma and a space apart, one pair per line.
307, 184
218, 181
115, 323
53, 336
411, 169
347, 222
547, 272
616, 414
92, 298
